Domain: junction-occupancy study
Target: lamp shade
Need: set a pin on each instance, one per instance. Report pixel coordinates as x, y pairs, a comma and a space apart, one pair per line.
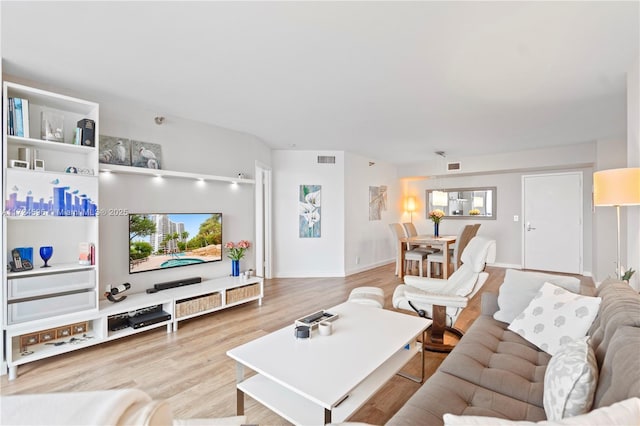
616, 187
411, 204
439, 198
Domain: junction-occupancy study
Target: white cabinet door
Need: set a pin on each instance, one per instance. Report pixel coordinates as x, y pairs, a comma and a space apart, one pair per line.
552, 225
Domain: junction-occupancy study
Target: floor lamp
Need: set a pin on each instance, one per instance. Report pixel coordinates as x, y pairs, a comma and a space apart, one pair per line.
617, 187
411, 206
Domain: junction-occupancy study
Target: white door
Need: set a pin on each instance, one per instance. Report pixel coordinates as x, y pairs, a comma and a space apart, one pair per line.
552, 222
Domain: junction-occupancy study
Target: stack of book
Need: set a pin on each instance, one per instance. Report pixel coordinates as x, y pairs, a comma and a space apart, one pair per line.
18, 117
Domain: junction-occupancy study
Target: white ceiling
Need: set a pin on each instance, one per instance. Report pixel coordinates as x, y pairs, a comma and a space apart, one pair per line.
393, 81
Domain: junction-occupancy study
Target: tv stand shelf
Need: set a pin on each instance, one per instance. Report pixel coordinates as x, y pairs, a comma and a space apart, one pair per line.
181, 302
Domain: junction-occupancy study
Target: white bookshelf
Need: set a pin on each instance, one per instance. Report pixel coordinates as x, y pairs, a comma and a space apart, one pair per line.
67, 293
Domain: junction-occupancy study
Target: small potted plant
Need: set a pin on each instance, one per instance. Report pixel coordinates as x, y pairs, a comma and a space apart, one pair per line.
626, 275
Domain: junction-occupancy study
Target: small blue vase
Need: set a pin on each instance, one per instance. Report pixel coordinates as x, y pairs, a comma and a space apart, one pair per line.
235, 268
436, 229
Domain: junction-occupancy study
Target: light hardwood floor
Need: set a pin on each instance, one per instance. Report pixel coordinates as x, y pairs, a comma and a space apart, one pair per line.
190, 368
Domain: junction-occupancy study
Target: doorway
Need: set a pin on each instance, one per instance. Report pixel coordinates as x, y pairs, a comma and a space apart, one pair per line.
263, 220
552, 230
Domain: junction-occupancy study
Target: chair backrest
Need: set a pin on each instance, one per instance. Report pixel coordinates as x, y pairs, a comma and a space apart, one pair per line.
410, 229
478, 252
398, 232
468, 232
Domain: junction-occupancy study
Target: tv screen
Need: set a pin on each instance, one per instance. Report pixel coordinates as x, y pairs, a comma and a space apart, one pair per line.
168, 240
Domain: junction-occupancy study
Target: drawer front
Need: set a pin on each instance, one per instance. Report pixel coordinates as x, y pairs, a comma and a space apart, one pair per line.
22, 288
50, 307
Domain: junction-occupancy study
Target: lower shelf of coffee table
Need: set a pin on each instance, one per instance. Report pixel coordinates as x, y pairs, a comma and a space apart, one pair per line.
301, 410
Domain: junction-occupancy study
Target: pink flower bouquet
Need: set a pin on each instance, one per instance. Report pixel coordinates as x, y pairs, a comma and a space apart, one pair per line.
236, 250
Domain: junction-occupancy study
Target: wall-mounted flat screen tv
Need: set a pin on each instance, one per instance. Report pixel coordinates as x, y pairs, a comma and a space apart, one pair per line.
167, 240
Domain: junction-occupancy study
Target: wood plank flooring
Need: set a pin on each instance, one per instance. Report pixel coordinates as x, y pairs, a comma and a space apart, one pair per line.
190, 368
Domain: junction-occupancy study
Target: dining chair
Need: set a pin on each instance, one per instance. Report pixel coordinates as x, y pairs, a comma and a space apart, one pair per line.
463, 238
411, 231
409, 255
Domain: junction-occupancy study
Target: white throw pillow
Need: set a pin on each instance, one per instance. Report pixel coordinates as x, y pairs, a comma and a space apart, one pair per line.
555, 317
519, 287
570, 380
625, 412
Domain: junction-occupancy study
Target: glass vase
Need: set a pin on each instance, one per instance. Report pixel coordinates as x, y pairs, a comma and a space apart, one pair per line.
436, 229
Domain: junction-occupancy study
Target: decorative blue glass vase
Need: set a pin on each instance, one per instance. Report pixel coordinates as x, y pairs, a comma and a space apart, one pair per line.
235, 268
436, 229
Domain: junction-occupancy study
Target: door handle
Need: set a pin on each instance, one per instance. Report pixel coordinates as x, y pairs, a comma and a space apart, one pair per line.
529, 228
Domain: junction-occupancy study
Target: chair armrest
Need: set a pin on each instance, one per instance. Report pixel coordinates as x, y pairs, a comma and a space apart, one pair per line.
425, 284
489, 303
421, 297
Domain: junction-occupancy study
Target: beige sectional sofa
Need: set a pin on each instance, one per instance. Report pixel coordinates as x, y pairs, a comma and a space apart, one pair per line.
494, 372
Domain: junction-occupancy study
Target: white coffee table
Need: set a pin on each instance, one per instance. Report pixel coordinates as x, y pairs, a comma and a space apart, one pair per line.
326, 379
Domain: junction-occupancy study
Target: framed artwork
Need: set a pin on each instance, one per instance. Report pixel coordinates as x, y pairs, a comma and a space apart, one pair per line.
114, 150
146, 154
309, 207
377, 201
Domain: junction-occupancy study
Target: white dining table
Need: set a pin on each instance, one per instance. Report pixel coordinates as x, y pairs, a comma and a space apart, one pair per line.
442, 242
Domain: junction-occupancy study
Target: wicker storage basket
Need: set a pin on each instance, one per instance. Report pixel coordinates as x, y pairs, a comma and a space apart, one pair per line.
245, 292
197, 304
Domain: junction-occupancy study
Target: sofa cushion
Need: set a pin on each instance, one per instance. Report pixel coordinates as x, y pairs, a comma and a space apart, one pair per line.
499, 360
554, 317
570, 380
519, 287
620, 371
620, 307
625, 412
445, 393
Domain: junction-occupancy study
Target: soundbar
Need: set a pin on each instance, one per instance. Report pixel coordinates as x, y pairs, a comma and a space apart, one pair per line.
177, 283
145, 320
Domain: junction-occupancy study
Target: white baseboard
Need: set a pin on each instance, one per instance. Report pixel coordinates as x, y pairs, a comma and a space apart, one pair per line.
362, 268
309, 274
329, 274
506, 265
518, 266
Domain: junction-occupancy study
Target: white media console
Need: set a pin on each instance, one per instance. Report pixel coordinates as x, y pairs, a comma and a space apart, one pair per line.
47, 337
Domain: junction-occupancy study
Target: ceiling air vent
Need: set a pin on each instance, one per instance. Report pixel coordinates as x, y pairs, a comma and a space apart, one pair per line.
326, 159
454, 167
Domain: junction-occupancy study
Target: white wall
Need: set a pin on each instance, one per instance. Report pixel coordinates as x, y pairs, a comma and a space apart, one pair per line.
369, 243
633, 160
187, 146
308, 257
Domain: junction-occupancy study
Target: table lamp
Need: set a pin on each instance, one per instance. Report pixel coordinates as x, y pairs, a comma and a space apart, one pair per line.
617, 187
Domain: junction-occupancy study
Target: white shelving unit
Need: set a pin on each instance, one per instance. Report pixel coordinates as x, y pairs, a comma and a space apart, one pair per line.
55, 310
113, 168
48, 207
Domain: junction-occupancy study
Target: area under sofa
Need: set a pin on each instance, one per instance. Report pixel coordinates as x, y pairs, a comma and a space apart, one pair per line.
494, 372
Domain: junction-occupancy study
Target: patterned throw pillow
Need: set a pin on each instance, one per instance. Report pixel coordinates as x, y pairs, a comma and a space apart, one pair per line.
555, 317
570, 380
519, 287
